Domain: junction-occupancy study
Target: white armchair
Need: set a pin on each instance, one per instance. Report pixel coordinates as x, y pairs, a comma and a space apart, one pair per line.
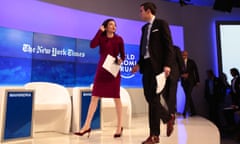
109, 111
52, 110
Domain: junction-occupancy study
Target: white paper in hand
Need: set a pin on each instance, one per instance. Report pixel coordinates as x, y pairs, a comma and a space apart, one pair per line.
161, 80
110, 65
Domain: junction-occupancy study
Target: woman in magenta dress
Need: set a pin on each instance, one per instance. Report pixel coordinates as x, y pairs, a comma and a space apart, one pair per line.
105, 84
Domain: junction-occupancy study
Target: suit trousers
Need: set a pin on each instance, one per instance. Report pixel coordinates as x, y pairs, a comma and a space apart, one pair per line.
189, 105
170, 94
156, 110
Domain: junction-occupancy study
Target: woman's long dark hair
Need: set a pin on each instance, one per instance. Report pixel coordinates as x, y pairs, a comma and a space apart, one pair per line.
105, 24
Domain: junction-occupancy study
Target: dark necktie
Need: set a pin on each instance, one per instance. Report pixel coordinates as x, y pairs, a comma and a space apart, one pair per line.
144, 41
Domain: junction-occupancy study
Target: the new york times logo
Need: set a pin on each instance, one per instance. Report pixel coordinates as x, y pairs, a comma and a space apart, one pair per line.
127, 66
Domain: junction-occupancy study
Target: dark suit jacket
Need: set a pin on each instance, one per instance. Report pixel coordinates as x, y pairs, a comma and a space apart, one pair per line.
192, 70
236, 86
177, 65
216, 87
160, 46
236, 94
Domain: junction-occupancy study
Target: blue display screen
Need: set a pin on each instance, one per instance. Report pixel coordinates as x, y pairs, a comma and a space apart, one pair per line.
13, 42
18, 117
31, 57
15, 70
56, 48
60, 72
85, 101
89, 55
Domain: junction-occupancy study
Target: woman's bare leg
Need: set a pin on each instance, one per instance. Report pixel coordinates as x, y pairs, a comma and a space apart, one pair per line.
91, 110
118, 105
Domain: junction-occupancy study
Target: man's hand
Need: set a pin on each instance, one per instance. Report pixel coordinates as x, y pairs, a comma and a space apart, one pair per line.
135, 68
167, 70
119, 61
102, 28
185, 75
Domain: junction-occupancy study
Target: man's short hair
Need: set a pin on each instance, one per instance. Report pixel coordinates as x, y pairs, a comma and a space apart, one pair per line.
151, 6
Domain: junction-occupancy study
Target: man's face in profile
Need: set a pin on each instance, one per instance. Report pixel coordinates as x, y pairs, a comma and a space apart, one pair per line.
144, 14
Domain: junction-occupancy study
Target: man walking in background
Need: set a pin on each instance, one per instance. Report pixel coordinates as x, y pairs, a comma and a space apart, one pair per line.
189, 79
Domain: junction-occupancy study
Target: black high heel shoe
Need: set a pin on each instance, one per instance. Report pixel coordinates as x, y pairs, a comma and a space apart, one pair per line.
118, 135
83, 133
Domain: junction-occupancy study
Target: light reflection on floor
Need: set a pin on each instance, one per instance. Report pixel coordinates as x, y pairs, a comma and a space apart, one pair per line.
193, 130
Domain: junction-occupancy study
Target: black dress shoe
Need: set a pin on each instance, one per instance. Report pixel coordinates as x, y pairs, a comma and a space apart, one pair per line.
184, 115
193, 114
151, 140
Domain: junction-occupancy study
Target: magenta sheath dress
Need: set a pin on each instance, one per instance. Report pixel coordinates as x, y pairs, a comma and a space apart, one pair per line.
105, 84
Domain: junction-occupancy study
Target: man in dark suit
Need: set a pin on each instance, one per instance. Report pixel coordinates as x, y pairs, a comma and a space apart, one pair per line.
213, 96
156, 56
231, 112
170, 92
235, 86
189, 79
